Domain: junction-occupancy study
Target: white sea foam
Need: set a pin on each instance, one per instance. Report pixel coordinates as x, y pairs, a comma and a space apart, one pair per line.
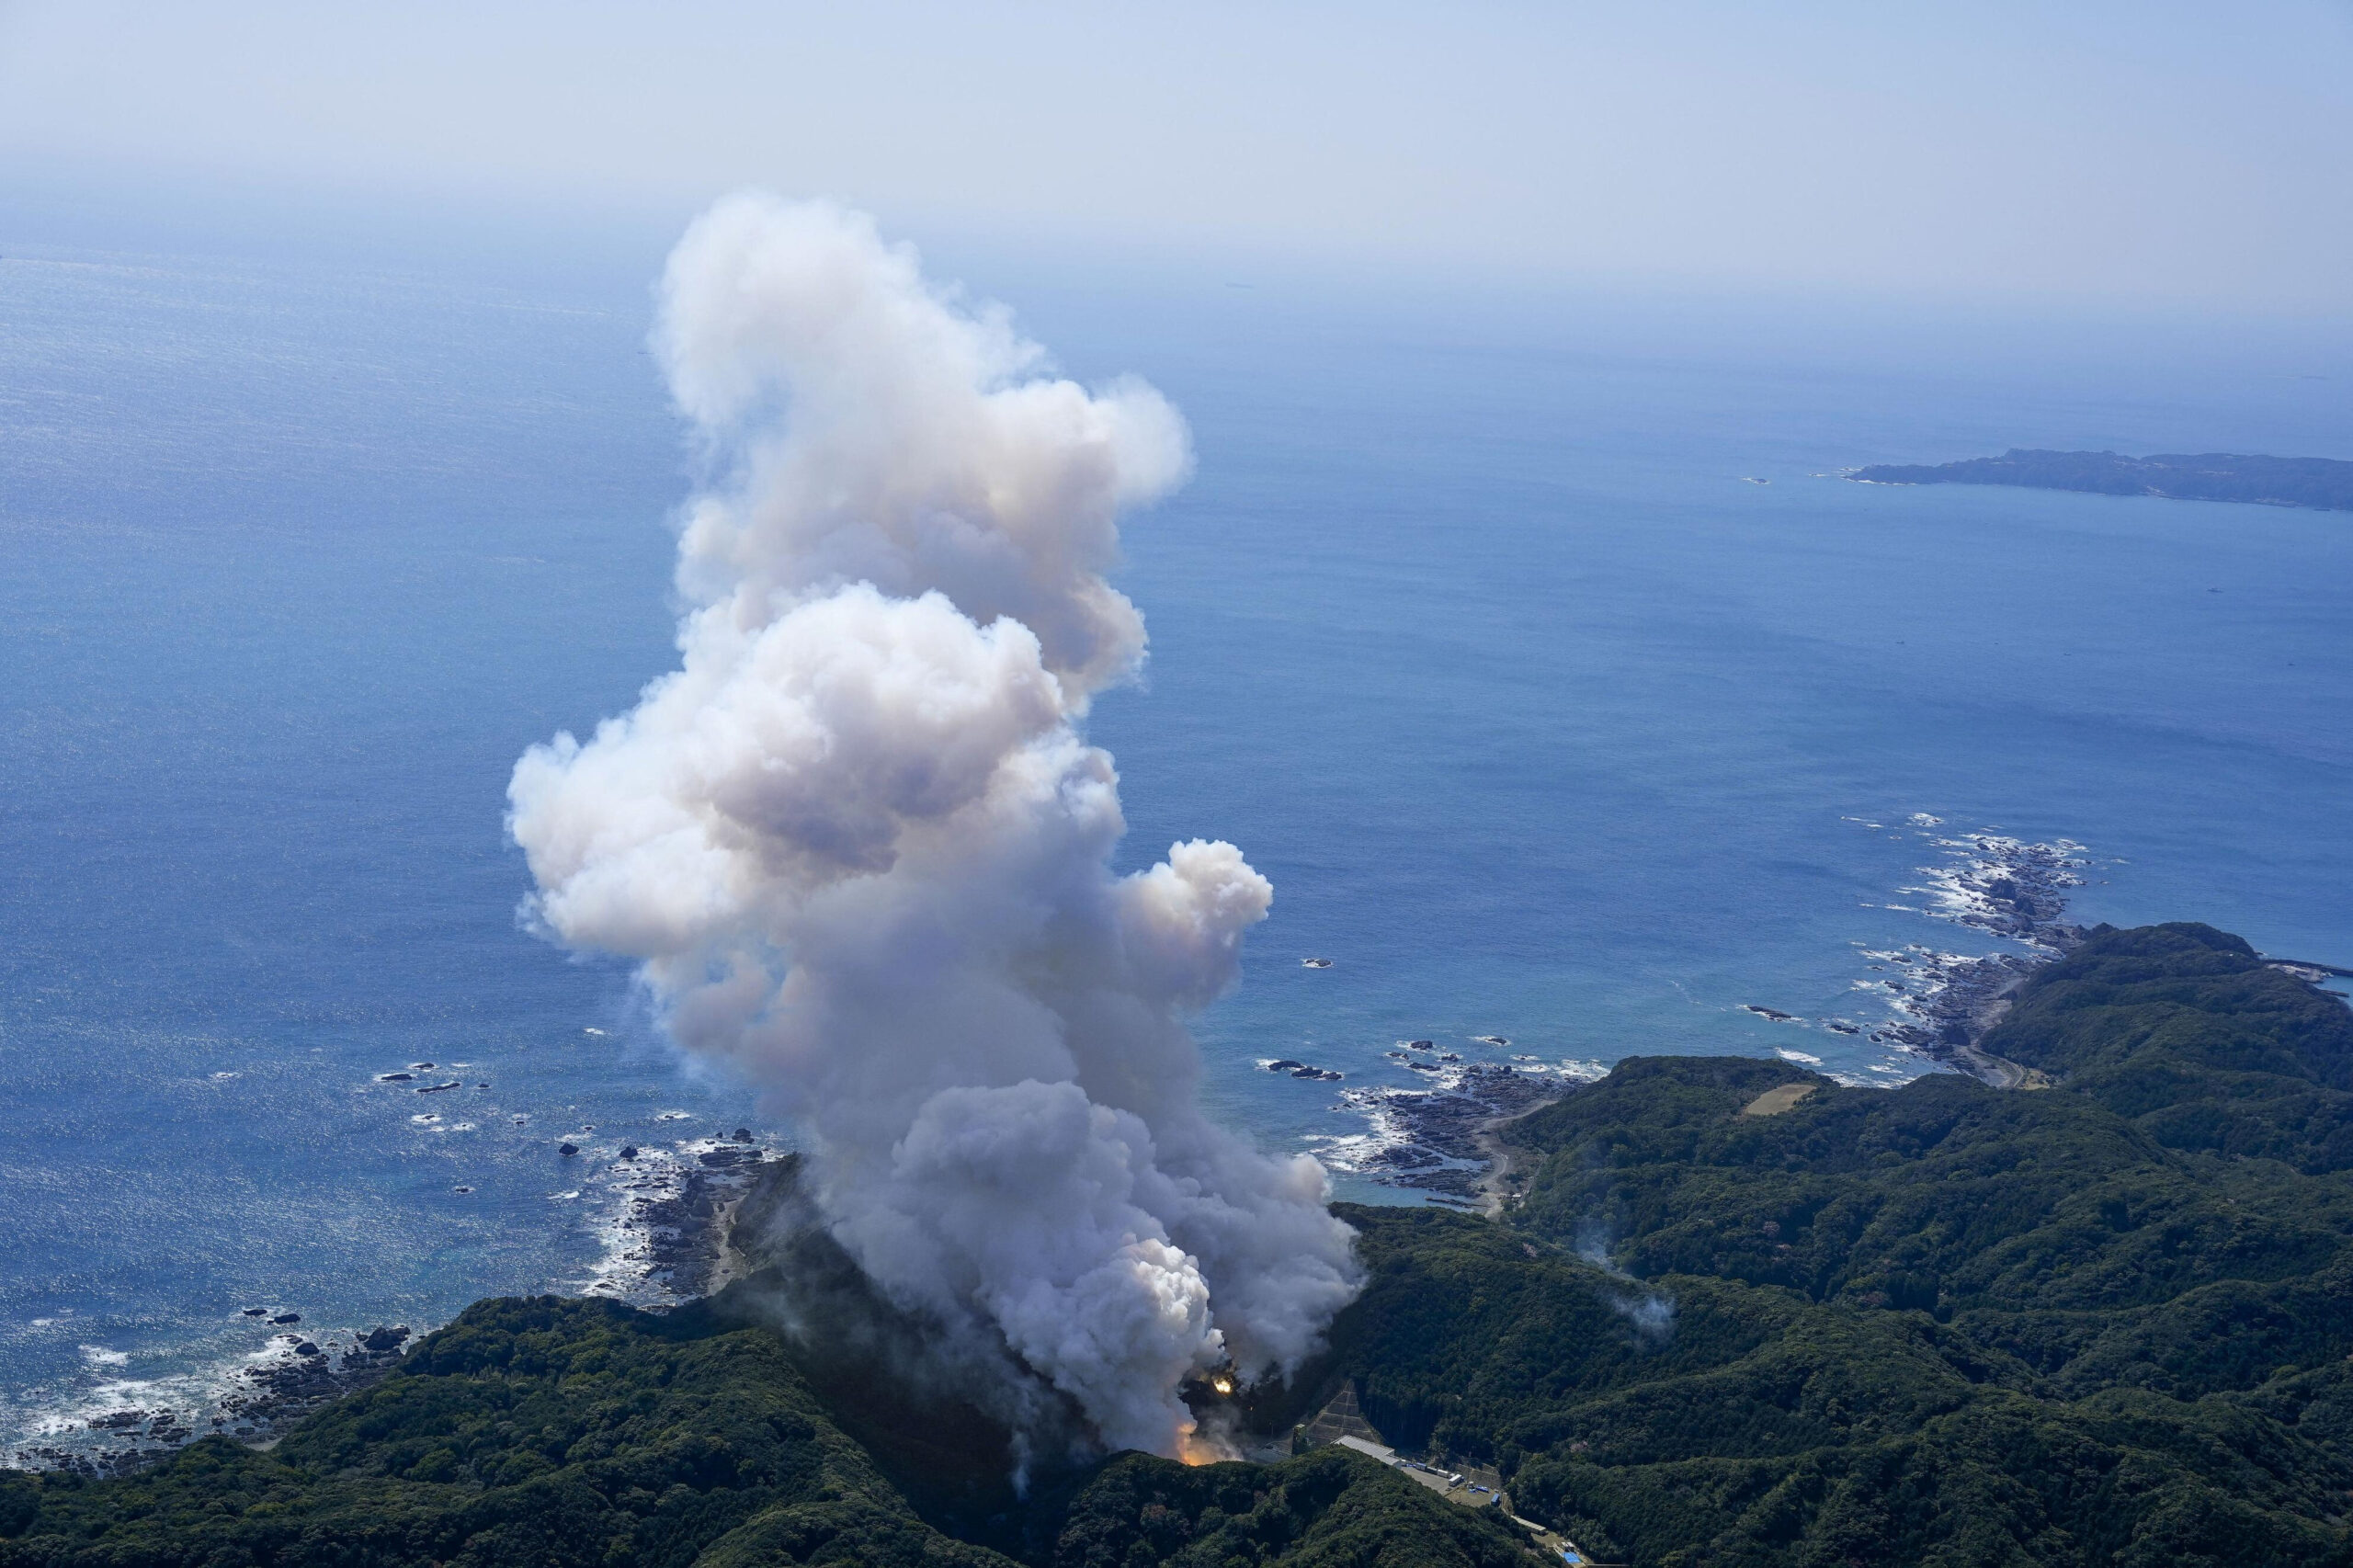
1989, 882
628, 1220
109, 1419
1410, 1132
2003, 886
1353, 1153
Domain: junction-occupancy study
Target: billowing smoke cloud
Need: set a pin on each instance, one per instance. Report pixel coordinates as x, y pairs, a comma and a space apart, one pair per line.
862, 849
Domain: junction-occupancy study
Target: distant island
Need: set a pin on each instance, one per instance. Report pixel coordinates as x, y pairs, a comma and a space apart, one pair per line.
2322, 484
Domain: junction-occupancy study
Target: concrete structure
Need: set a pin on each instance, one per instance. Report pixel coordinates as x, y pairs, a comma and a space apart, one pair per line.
1474, 1486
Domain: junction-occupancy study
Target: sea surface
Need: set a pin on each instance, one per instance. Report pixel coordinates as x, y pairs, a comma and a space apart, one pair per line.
1542, 660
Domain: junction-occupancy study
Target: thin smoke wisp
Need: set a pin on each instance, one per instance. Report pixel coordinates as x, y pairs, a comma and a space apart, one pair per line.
859, 847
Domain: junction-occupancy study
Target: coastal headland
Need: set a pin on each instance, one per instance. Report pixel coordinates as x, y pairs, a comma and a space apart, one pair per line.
1444, 1137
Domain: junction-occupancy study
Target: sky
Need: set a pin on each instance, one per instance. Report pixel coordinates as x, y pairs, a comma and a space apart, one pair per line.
2154, 153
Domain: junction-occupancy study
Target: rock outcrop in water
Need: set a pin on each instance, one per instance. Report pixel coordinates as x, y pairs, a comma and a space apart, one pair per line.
1945, 1003
1432, 1140
264, 1399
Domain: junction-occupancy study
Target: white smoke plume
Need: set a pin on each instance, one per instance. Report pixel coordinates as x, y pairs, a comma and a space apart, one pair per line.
860, 848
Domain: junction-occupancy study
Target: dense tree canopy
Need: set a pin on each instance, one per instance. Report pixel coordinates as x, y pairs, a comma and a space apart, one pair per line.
2108, 1322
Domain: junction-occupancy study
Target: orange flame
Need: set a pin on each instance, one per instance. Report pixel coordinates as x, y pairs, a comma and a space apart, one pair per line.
1194, 1446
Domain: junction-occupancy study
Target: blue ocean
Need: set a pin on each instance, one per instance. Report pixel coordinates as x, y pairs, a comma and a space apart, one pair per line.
1538, 654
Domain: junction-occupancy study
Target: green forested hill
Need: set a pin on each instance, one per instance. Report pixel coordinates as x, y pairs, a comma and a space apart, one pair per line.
555, 1434
2108, 1322
2104, 1323
539, 1432
2186, 1032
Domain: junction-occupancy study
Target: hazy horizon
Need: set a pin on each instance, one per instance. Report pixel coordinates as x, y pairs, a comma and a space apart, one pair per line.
2116, 162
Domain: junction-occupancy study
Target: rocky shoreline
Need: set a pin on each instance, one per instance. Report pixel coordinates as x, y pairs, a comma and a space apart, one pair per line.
1945, 1003
295, 1377
666, 1244
1434, 1140
1439, 1140
665, 1235
1940, 1004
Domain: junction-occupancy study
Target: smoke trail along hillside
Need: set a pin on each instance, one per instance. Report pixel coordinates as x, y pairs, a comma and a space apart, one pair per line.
861, 849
